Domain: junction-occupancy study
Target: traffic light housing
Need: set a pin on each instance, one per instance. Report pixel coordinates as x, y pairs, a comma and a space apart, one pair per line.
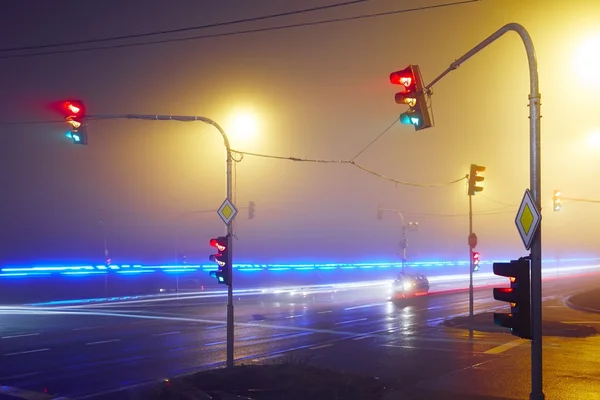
518, 295
251, 209
413, 95
222, 258
556, 205
476, 257
475, 179
74, 112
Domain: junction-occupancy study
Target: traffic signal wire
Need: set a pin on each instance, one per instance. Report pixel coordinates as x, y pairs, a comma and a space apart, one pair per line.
351, 162
186, 29
375, 140
241, 32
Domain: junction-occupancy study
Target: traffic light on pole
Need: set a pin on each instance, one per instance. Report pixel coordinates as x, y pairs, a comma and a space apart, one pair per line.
74, 111
556, 205
518, 295
475, 179
413, 95
476, 258
222, 258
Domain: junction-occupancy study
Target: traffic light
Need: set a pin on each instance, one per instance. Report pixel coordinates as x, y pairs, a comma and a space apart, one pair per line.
475, 178
222, 258
251, 209
77, 136
556, 200
518, 295
74, 112
413, 95
475, 256
379, 213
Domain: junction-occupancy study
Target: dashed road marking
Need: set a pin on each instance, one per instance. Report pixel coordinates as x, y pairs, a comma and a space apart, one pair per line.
322, 346
166, 333
324, 312
18, 336
506, 346
349, 322
103, 341
26, 352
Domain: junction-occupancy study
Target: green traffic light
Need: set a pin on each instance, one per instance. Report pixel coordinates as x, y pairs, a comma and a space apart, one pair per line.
407, 119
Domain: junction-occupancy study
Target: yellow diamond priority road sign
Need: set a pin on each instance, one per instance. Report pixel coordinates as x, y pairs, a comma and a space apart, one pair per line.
227, 211
528, 219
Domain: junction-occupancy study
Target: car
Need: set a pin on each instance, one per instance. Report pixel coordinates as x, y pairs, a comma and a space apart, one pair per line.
409, 285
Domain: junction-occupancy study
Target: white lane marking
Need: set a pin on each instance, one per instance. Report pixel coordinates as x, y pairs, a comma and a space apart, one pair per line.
506, 346
321, 346
5, 378
26, 352
324, 312
268, 358
103, 341
85, 328
364, 306
361, 337
216, 326
23, 335
413, 347
166, 333
349, 322
295, 316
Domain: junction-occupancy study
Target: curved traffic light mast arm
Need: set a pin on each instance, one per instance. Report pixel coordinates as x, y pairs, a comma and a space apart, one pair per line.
397, 212
535, 188
185, 118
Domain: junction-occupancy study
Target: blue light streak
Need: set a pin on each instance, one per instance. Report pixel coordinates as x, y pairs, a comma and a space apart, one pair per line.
82, 269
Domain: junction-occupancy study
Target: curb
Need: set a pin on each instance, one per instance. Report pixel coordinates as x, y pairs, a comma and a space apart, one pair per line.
580, 308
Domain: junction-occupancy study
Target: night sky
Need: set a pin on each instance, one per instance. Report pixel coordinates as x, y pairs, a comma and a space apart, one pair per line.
317, 91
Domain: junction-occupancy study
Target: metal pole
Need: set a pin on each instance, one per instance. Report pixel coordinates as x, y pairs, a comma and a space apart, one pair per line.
470, 258
187, 118
230, 325
535, 187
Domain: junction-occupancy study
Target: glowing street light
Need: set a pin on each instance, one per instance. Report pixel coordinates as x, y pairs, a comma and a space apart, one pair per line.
587, 61
594, 139
243, 125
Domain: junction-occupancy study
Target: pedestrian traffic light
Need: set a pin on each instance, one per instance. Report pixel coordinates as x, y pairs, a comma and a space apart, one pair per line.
222, 258
518, 295
413, 95
251, 209
475, 256
74, 112
556, 200
475, 178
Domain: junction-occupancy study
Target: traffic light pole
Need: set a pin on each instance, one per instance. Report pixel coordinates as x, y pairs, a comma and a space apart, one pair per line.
470, 258
535, 187
229, 230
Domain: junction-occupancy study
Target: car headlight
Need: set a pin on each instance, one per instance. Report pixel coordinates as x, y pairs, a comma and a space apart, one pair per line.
407, 285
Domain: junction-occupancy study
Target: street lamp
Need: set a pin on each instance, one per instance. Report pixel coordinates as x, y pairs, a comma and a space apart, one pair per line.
243, 125
594, 139
587, 61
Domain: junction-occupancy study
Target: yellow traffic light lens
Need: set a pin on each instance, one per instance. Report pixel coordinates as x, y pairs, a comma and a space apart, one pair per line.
75, 124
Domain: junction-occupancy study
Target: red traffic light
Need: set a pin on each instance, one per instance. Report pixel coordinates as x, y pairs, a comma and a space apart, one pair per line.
219, 243
406, 78
74, 108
